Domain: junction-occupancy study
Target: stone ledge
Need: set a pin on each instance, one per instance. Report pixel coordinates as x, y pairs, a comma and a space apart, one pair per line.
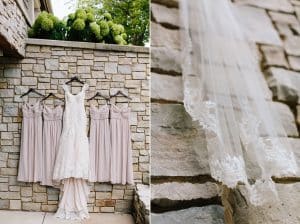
178, 144
142, 204
213, 214
175, 195
86, 45
168, 3
285, 210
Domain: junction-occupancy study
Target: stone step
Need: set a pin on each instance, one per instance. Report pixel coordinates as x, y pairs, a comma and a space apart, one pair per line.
166, 87
291, 45
17, 217
273, 56
168, 3
285, 211
142, 203
165, 60
168, 17
257, 25
175, 196
212, 214
179, 149
279, 5
178, 145
166, 38
284, 84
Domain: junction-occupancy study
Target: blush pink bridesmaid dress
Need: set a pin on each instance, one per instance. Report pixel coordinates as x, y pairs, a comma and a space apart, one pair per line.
121, 155
52, 128
99, 144
31, 160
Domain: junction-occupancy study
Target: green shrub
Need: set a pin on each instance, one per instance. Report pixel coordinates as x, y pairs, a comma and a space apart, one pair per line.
104, 28
80, 14
95, 28
90, 17
54, 19
59, 32
119, 40
110, 24
107, 16
31, 32
116, 29
71, 16
78, 24
47, 24
90, 10
83, 25
124, 36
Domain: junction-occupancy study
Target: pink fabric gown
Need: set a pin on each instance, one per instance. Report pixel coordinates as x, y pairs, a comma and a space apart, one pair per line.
30, 163
72, 159
121, 155
51, 133
99, 144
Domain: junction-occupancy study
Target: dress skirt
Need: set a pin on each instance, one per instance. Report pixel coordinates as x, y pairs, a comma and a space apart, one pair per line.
31, 158
121, 162
73, 199
99, 145
51, 133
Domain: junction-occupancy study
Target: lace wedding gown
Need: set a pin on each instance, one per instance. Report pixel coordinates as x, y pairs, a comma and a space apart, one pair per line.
72, 159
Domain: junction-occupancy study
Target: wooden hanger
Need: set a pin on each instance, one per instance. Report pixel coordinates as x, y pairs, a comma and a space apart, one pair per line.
74, 79
120, 93
53, 95
31, 90
100, 95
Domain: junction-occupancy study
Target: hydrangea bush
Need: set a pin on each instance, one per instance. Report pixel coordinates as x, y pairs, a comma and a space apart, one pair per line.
83, 25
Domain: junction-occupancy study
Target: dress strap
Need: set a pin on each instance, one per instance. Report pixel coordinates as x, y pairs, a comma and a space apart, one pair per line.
85, 87
66, 88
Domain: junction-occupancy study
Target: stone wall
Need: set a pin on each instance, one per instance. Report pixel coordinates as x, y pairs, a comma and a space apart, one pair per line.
280, 64
46, 66
179, 155
181, 186
13, 28
141, 204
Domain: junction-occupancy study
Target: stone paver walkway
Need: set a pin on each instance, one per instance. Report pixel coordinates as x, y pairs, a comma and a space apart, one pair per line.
17, 217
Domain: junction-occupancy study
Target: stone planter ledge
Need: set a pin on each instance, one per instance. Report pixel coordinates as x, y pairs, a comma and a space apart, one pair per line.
87, 45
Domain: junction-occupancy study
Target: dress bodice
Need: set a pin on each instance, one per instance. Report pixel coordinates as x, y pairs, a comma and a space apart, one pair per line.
118, 113
75, 115
52, 114
32, 110
99, 113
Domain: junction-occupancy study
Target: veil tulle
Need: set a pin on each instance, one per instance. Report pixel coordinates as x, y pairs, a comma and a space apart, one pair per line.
224, 92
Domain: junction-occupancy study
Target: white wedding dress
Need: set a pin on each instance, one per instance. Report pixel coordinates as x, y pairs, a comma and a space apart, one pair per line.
72, 160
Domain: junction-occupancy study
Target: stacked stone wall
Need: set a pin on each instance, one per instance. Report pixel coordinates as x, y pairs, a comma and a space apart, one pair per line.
180, 164
46, 66
13, 28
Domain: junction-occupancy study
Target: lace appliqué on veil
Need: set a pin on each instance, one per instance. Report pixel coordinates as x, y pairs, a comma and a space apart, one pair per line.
249, 130
273, 159
277, 160
262, 192
227, 168
230, 170
207, 118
